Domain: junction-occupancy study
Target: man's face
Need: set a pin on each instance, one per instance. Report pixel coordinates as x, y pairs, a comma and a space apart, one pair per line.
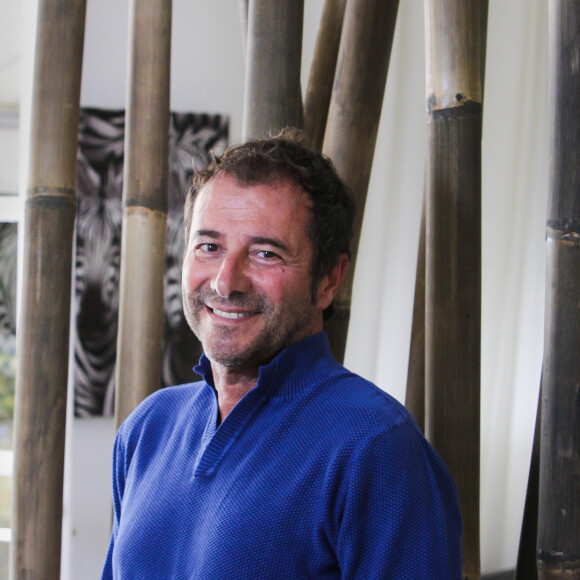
247, 272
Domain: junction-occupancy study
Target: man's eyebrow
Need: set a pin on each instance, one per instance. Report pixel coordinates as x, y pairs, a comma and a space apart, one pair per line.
270, 242
208, 234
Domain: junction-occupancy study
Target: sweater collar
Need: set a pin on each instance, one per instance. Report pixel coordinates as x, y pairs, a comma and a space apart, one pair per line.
290, 371
283, 378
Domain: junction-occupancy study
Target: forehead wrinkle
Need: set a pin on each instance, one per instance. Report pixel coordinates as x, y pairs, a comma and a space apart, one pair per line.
224, 198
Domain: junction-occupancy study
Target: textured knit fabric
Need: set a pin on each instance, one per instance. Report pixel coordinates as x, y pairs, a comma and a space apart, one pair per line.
316, 473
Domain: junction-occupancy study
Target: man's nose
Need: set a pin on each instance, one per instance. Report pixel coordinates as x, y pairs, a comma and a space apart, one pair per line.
231, 276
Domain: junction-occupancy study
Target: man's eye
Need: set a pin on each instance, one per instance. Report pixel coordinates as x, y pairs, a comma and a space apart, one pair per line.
267, 257
207, 247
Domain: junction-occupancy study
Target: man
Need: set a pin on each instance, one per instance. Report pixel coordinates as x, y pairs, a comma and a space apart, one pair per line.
280, 463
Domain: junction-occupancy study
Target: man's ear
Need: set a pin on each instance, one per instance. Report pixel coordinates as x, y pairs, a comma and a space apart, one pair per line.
330, 283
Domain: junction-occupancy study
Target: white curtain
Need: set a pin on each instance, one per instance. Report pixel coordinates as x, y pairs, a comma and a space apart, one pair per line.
515, 182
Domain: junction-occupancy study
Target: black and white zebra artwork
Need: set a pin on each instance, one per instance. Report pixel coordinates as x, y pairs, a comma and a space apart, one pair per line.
98, 250
8, 254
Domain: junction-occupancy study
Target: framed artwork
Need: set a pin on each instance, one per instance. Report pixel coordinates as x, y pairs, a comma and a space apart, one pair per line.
8, 256
98, 250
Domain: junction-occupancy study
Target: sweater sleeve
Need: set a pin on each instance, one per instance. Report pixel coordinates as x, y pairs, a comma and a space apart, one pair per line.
119, 473
399, 516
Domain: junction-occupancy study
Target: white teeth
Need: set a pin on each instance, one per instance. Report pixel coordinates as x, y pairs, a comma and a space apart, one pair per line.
232, 315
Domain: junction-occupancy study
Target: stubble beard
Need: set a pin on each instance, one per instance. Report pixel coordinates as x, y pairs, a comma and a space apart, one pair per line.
279, 328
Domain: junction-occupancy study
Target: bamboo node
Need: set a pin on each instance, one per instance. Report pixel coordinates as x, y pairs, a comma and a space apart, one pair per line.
571, 237
564, 229
51, 196
47, 191
559, 561
456, 101
151, 203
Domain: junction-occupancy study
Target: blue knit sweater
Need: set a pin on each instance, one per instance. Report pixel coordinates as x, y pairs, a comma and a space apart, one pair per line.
316, 473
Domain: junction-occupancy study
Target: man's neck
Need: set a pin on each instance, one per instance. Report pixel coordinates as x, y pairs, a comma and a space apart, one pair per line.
231, 386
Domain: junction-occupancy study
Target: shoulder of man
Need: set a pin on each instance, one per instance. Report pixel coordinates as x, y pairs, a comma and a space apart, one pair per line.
163, 407
355, 398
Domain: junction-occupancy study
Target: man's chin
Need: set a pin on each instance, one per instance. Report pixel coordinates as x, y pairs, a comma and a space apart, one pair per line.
247, 358
227, 355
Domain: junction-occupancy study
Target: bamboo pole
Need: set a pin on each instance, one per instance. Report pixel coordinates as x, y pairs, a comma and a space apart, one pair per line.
321, 77
454, 39
272, 98
526, 568
353, 121
559, 503
145, 179
43, 329
415, 393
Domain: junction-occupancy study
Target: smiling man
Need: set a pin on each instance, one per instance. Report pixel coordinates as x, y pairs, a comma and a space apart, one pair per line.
280, 463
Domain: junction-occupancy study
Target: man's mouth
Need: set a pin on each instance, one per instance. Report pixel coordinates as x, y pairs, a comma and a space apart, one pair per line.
231, 315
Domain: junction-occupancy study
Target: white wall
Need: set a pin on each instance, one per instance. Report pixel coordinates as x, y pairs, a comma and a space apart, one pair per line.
9, 53
207, 76
9, 99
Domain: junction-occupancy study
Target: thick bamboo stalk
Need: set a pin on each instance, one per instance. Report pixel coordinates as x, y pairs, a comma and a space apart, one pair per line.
415, 393
43, 329
353, 121
272, 98
559, 504
145, 179
454, 38
322, 70
526, 568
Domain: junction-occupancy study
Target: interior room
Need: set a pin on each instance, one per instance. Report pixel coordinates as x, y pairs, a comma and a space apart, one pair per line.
207, 77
